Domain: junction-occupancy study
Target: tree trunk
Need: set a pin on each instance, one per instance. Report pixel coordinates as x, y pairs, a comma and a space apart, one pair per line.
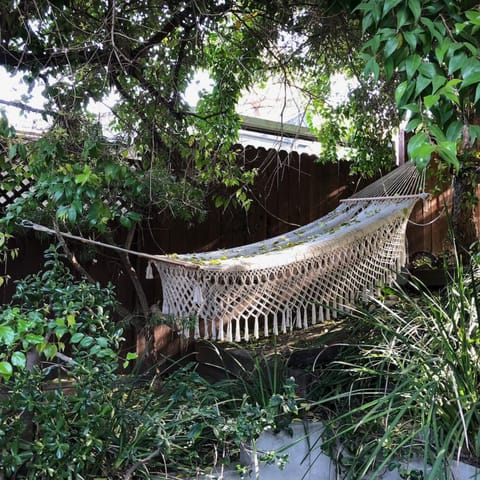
464, 204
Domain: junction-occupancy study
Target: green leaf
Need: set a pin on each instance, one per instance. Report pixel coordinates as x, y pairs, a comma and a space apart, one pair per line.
7, 335
454, 131
389, 5
390, 46
448, 151
430, 100
421, 83
427, 69
411, 39
437, 82
72, 214
400, 92
22, 151
442, 49
34, 339
6, 370
419, 149
456, 63
102, 342
195, 431
389, 67
12, 151
19, 360
62, 212
477, 94
373, 68
472, 78
402, 17
134, 216
87, 342
412, 64
473, 16
474, 131
76, 337
125, 222
416, 8
413, 124
367, 21
449, 90
437, 133
436, 29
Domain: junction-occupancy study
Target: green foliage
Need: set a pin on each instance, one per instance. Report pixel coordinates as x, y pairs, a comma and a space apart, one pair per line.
91, 184
47, 308
409, 388
359, 128
67, 412
431, 50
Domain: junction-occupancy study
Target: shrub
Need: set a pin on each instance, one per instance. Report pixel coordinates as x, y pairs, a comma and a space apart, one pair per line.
411, 386
67, 412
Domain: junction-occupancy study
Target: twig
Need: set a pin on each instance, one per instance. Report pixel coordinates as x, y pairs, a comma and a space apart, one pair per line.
131, 470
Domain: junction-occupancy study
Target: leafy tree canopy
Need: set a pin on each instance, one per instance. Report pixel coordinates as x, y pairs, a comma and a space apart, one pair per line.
430, 50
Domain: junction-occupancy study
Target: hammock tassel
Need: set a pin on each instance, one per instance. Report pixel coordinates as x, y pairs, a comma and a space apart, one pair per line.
299, 318
149, 271
238, 336
275, 324
229, 331
247, 333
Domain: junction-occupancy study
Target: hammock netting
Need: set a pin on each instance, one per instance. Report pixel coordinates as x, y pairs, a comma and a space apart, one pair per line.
300, 278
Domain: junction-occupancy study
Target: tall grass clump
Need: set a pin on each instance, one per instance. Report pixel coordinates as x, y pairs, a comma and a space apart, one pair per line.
410, 387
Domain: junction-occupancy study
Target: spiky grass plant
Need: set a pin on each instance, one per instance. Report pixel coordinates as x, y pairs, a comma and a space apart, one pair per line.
410, 388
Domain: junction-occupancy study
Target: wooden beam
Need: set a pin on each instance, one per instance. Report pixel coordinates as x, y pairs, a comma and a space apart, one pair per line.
279, 129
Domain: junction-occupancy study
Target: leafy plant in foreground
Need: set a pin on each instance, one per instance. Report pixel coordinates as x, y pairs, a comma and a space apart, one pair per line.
411, 388
66, 412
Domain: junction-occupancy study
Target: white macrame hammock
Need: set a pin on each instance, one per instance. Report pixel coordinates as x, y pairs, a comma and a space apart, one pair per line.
299, 278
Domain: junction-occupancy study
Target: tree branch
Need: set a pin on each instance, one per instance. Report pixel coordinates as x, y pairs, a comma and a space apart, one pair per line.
132, 273
70, 255
28, 108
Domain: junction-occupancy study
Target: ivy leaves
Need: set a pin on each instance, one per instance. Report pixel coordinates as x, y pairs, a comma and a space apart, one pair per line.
432, 50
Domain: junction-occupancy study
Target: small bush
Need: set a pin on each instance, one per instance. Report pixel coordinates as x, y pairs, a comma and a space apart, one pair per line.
67, 412
411, 386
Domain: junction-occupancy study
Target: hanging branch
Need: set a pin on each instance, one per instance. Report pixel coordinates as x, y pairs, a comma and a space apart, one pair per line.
28, 108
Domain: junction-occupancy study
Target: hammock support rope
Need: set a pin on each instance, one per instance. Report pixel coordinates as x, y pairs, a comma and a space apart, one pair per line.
302, 277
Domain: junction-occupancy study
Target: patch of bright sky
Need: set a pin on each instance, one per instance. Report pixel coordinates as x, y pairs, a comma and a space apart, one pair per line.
272, 101
14, 90
200, 84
